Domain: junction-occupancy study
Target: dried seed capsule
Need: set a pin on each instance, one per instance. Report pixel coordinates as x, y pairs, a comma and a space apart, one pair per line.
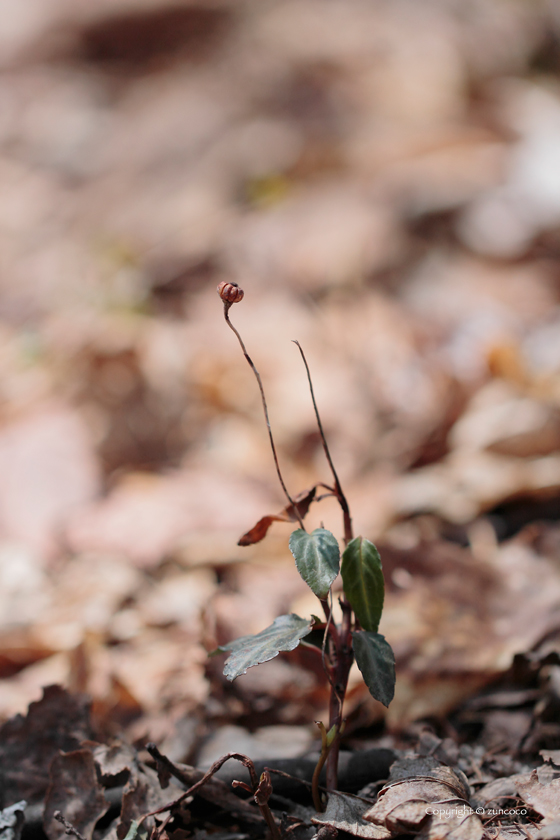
230, 292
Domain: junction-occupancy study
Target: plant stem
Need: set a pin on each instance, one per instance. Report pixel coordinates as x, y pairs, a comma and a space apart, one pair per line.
269, 819
315, 793
339, 683
331, 627
317, 800
227, 306
343, 502
342, 655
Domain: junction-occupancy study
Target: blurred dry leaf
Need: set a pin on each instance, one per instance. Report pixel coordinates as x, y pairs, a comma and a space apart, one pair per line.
541, 796
24, 586
48, 469
267, 742
326, 236
346, 813
456, 621
143, 794
178, 598
112, 759
256, 594
59, 721
146, 516
89, 591
336, 159
505, 219
162, 669
74, 790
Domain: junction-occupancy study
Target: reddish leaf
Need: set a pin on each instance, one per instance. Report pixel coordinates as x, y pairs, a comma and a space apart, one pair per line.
288, 514
260, 530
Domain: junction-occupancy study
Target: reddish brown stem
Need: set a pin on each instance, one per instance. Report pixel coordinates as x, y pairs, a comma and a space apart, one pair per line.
331, 626
339, 683
261, 797
341, 498
342, 655
251, 364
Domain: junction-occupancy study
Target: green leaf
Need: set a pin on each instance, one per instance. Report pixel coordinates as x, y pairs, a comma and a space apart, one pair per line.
285, 633
363, 583
376, 661
317, 557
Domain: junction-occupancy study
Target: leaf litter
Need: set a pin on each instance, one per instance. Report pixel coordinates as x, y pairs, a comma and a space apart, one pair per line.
384, 184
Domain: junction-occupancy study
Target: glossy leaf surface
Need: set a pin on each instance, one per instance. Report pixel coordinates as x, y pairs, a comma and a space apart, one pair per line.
362, 579
376, 661
317, 557
285, 633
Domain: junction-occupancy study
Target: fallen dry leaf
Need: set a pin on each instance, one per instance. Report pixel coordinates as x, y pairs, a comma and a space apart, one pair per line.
74, 790
346, 813
113, 759
287, 514
143, 794
147, 516
542, 796
334, 160
59, 721
428, 798
48, 469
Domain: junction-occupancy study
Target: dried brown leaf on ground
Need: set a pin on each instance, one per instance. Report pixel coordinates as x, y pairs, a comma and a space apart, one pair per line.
59, 721
113, 759
74, 790
48, 469
266, 742
382, 178
457, 620
540, 790
346, 813
537, 790
425, 797
148, 516
143, 794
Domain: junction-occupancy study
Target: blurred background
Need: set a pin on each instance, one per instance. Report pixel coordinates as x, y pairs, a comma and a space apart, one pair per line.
383, 180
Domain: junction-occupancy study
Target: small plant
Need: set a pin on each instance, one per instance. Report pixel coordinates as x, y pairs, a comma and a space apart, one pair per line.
318, 560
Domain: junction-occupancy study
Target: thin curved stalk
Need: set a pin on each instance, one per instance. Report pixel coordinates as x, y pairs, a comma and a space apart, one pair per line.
251, 364
348, 533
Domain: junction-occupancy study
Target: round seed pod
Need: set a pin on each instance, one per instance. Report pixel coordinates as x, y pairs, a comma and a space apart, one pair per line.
230, 292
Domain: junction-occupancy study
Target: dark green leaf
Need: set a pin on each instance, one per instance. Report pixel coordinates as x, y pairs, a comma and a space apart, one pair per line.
285, 633
376, 661
317, 557
362, 579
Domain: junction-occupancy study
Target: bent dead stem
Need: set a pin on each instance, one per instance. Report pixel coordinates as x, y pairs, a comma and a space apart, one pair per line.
318, 560
260, 788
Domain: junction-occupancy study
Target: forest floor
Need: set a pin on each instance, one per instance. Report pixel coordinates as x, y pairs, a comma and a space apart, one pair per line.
382, 180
